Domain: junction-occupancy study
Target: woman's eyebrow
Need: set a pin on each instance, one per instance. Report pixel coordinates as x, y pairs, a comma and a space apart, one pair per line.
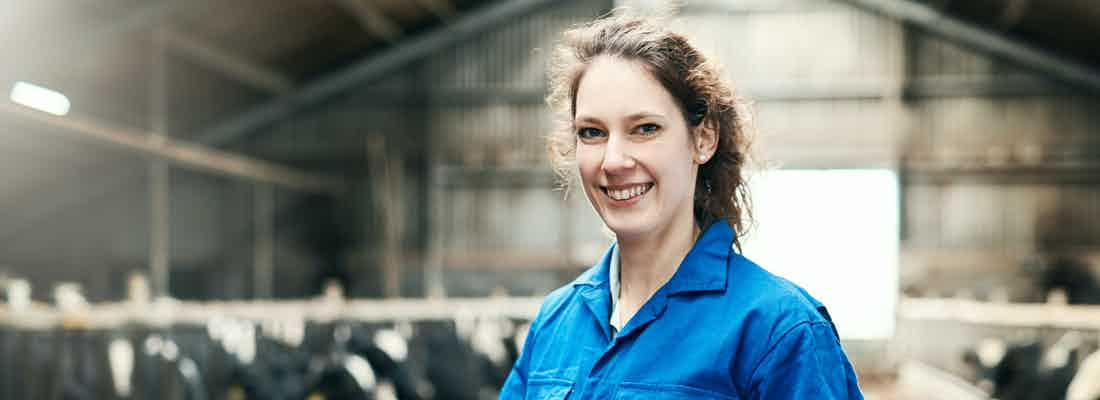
643, 115
632, 117
589, 119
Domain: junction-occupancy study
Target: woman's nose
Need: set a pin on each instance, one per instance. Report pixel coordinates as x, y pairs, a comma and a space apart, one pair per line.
617, 157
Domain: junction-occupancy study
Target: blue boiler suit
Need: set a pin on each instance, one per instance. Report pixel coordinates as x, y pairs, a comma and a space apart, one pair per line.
720, 328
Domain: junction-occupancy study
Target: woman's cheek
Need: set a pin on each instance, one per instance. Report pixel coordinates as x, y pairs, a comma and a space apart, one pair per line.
588, 164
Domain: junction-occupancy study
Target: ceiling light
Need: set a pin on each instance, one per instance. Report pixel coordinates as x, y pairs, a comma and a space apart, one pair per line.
40, 98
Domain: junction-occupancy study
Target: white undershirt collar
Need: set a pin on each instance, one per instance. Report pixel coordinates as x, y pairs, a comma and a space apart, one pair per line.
616, 324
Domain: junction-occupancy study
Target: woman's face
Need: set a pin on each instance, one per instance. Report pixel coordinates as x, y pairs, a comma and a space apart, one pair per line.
636, 157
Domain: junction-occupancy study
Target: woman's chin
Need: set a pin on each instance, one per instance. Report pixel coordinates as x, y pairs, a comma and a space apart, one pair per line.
625, 229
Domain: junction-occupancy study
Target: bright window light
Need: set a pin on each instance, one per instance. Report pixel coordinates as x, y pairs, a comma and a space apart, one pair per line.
40, 98
835, 233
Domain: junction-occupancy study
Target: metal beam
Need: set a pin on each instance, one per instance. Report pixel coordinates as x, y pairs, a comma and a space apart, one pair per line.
451, 178
1086, 173
263, 242
361, 72
935, 22
762, 91
754, 7
232, 65
182, 153
160, 185
984, 86
856, 89
390, 210
373, 19
160, 228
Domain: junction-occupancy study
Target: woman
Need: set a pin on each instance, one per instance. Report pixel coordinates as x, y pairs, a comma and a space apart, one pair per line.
672, 311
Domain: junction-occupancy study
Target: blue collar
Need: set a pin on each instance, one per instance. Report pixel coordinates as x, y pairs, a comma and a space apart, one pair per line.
703, 269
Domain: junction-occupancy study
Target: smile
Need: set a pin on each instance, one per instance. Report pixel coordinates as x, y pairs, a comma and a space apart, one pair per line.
628, 193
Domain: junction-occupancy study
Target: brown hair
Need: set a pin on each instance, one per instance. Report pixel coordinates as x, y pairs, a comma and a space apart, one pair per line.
695, 84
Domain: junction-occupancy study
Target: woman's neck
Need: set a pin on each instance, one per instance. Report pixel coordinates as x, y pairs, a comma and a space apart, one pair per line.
647, 262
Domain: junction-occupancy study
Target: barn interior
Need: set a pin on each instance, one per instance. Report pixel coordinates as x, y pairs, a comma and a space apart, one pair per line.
353, 198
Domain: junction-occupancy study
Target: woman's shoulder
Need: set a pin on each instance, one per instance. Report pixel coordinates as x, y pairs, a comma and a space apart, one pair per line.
559, 298
554, 301
778, 319
771, 297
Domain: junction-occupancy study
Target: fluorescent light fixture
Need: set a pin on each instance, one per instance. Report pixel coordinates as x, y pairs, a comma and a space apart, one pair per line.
40, 98
835, 233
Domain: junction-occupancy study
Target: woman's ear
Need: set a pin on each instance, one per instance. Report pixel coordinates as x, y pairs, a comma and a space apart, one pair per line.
706, 142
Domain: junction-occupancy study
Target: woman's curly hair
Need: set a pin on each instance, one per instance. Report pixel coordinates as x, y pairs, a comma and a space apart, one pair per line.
696, 84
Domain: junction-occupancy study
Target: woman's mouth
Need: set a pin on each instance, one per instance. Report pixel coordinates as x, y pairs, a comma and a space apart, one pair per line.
622, 195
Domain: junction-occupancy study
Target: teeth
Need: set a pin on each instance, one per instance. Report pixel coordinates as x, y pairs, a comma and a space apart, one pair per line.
628, 193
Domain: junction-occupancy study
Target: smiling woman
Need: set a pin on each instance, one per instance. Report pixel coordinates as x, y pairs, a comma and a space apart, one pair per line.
657, 142
630, 137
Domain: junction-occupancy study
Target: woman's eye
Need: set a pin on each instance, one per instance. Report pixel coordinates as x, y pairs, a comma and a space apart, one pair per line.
589, 133
648, 129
